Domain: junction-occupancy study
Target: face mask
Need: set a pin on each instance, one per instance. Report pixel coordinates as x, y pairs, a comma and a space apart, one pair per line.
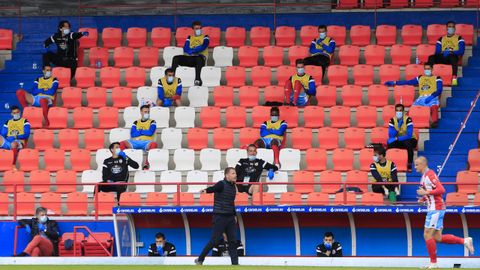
146, 116
427, 72
300, 71
322, 35
252, 158
66, 31
375, 159
274, 118
16, 116
160, 245
399, 115
43, 219
48, 74
198, 32
117, 151
170, 79
450, 30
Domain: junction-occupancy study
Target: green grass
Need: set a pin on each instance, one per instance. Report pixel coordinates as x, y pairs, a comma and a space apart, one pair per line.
184, 267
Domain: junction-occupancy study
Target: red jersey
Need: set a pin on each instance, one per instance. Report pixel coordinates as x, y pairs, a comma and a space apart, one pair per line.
431, 183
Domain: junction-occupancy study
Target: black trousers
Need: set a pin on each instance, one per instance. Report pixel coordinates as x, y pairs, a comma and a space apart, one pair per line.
318, 60
223, 224
449, 60
378, 188
409, 144
196, 61
119, 189
50, 58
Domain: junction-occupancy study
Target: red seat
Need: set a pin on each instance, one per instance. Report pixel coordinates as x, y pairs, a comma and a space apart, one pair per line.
148, 57
110, 76
316, 159
354, 138
123, 56
340, 116
235, 116
338, 33
223, 138
399, 157
474, 160
349, 55
316, 72
413, 71
272, 56
360, 35
98, 56
63, 76
352, 95
444, 71
112, 37
6, 159
372, 198
260, 36
156, 198
337, 75
260, 114
328, 138
214, 34
449, 3
210, 117
435, 31
85, 77
53, 203
66, 181
423, 3
58, 117
284, 73
297, 52
373, 4
43, 139
401, 54
12, 178
326, 95
389, 73
6, 39
302, 138
248, 96
235, 36
366, 116
248, 56
359, 179
386, 34
261, 76
248, 136
136, 37
318, 198
330, 181
363, 75
466, 31
342, 159
424, 51
72, 97
290, 115
274, 94
161, 37
94, 139
107, 117
365, 158
456, 199
96, 97
379, 135
404, 94
181, 35
135, 76
130, 199
39, 181
34, 116
303, 177
308, 33
313, 117
388, 112
206, 199
285, 36
235, 76
82, 117
80, 159
79, 238
291, 198
4, 201
467, 182
374, 55
106, 201
377, 95
68, 139
26, 204
54, 159
398, 3
420, 116
347, 4
223, 96
197, 138
90, 40
412, 34
472, 3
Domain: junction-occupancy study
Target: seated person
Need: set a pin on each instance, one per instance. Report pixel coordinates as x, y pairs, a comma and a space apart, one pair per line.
169, 90
42, 94
321, 50
302, 85
329, 248
195, 52
142, 134
429, 90
250, 169
272, 133
384, 170
161, 247
400, 133
221, 248
448, 50
44, 232
115, 170
15, 133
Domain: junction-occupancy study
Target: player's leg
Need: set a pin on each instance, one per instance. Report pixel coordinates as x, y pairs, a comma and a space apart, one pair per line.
231, 231
126, 144
149, 146
44, 104
15, 146
24, 97
218, 229
428, 235
253, 189
260, 143
288, 92
297, 89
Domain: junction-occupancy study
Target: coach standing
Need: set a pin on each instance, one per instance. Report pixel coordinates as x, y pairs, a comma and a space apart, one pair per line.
223, 216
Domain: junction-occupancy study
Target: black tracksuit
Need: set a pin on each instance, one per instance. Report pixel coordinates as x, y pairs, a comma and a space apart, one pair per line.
167, 250
51, 232
250, 171
221, 249
66, 55
336, 250
116, 170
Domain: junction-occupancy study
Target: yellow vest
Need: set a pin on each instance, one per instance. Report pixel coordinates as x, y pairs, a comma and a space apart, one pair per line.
303, 80
45, 84
144, 126
169, 90
427, 85
402, 131
450, 43
16, 128
196, 41
276, 126
325, 41
385, 171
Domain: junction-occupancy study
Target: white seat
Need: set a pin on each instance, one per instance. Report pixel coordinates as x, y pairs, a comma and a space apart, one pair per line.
223, 56
290, 159
184, 159
158, 159
169, 52
155, 74
210, 159
198, 96
161, 115
144, 177
119, 134
147, 95
170, 177
218, 176
211, 76
137, 156
279, 177
184, 117
100, 157
130, 115
196, 177
171, 138
187, 74
91, 176
234, 155
265, 154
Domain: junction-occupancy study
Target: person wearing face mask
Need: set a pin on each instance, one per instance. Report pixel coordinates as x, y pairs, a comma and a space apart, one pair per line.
42, 94
67, 44
382, 171
169, 89
329, 248
250, 169
300, 87
400, 133
142, 134
272, 133
15, 133
115, 170
195, 52
44, 233
161, 247
448, 50
429, 89
321, 50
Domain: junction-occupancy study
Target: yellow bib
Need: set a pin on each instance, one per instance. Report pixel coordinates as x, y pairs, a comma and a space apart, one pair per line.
169, 90
402, 131
325, 41
427, 85
276, 126
196, 41
450, 43
45, 84
303, 80
385, 171
144, 126
15, 128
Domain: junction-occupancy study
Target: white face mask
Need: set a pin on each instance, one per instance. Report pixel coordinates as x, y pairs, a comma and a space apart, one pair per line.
451, 30
322, 35
274, 118
170, 79
198, 32
16, 116
427, 72
300, 71
43, 219
375, 159
66, 31
146, 116
399, 115
252, 158
117, 151
48, 74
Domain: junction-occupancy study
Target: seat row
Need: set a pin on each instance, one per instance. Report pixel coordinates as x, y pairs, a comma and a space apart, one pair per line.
374, 4
6, 39
474, 160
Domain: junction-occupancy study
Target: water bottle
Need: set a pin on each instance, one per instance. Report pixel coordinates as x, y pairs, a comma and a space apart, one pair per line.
98, 63
34, 66
417, 61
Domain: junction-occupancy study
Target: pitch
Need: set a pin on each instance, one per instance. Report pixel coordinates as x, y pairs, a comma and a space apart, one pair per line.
188, 267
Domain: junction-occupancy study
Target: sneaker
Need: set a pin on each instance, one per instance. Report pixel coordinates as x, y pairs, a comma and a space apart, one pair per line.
198, 83
454, 81
430, 266
23, 254
197, 262
468, 243
146, 166
434, 124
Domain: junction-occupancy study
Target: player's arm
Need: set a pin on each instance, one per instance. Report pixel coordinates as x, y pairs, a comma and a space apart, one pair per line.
172, 252
438, 46
179, 90
26, 131
312, 89
151, 130
134, 132
4, 131
409, 133
150, 250
218, 187
461, 47
394, 173
106, 173
263, 130
321, 251
330, 48
437, 187
375, 174
281, 131
338, 250
313, 48
413, 82
439, 87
